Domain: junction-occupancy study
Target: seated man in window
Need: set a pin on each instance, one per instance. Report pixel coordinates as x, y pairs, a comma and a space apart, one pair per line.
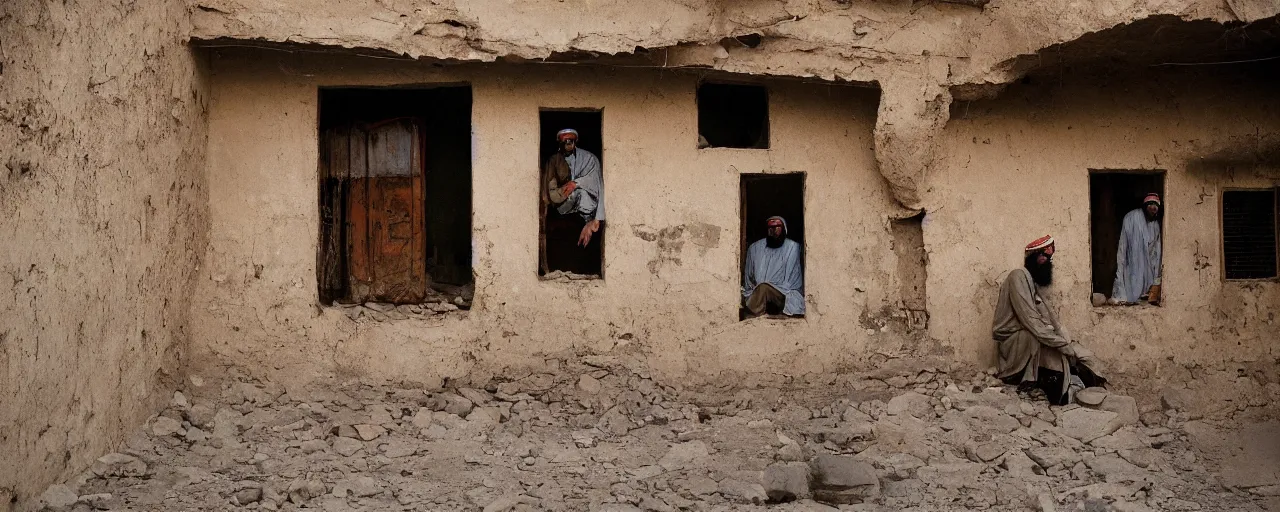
1138, 257
574, 185
772, 278
1034, 351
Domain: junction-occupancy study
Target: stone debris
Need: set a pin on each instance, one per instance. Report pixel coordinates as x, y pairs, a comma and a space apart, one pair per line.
786, 482
118, 465
843, 480
164, 426
57, 498
600, 436
249, 495
437, 302
369, 432
1091, 396
346, 446
1087, 424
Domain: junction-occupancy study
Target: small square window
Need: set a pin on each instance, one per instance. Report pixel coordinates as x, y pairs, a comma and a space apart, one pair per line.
733, 116
1249, 234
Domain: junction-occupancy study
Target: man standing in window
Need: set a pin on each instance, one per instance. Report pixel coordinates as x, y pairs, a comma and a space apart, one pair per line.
1138, 257
772, 277
574, 184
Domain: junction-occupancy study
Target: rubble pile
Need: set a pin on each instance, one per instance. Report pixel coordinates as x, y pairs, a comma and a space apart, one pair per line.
611, 439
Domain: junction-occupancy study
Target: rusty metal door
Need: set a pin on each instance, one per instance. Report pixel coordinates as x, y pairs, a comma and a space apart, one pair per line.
384, 218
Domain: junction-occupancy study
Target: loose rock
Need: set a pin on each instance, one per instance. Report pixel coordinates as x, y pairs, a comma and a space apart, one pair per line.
249, 495
843, 480
1087, 424
57, 498
346, 446
786, 482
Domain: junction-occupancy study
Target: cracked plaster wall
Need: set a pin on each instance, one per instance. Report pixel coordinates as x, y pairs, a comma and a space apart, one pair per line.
1015, 168
102, 217
672, 252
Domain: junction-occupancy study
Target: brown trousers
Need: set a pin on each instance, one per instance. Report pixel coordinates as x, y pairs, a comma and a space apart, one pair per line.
766, 299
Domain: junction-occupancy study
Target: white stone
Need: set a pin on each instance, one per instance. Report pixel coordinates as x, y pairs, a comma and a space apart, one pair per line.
1087, 424
164, 426
1091, 396
369, 432
346, 446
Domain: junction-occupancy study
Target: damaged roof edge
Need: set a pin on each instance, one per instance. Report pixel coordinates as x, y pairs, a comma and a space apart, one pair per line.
844, 41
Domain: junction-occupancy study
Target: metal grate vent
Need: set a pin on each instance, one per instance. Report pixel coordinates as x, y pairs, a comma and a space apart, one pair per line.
1249, 233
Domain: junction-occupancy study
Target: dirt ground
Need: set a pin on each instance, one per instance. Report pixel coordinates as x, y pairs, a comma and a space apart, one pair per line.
601, 436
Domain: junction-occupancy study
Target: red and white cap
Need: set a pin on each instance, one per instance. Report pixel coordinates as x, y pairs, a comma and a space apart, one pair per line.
1152, 198
1040, 244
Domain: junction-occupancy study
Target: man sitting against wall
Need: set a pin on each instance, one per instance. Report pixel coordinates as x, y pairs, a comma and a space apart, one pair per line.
772, 277
1034, 350
574, 184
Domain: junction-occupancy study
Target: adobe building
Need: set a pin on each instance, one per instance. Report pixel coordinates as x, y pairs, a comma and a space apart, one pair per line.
302, 190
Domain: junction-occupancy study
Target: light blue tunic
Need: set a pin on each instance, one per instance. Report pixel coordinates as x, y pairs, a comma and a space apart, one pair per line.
779, 267
1138, 258
587, 200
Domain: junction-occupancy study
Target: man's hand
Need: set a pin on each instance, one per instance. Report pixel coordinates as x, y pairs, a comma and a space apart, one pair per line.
592, 226
568, 188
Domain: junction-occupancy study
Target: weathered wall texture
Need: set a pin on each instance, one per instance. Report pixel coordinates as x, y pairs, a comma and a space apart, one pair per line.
914, 51
102, 216
672, 251
1015, 168
1010, 169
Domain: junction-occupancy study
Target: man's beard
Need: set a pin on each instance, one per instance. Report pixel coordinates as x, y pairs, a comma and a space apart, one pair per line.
1041, 274
774, 242
1151, 216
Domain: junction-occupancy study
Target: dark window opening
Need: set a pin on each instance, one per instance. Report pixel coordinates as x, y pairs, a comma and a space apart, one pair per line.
1112, 195
908, 247
1249, 234
560, 254
395, 195
733, 116
764, 196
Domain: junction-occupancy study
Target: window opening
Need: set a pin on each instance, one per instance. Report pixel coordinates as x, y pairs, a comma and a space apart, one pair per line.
395, 196
1127, 263
773, 273
733, 116
566, 214
908, 247
1249, 234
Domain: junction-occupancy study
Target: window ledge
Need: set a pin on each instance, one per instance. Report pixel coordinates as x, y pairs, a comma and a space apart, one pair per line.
1141, 306
771, 318
728, 148
402, 312
560, 276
